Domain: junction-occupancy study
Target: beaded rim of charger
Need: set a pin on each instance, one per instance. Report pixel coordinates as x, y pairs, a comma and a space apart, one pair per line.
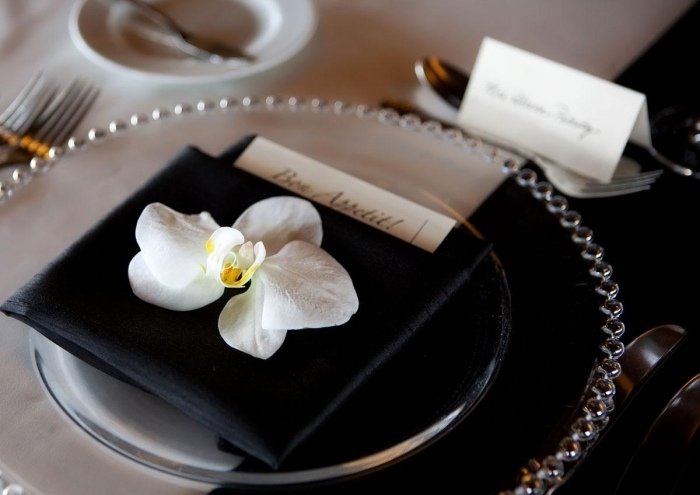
538, 475
8, 487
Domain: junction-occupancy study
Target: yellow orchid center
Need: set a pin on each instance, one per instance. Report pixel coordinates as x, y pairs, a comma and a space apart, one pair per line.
229, 259
230, 274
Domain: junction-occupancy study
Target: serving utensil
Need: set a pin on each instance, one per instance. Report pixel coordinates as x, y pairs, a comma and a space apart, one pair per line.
193, 44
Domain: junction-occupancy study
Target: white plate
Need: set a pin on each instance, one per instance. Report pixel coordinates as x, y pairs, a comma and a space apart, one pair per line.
271, 31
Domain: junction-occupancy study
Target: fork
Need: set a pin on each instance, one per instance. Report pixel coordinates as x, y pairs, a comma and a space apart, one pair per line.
53, 127
627, 180
25, 109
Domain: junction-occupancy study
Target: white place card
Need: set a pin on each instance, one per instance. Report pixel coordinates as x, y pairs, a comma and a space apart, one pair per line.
345, 193
574, 119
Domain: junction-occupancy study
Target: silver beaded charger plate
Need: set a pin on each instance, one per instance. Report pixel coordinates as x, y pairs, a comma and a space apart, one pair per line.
554, 389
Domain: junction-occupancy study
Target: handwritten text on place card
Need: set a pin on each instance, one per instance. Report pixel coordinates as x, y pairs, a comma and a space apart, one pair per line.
572, 118
345, 193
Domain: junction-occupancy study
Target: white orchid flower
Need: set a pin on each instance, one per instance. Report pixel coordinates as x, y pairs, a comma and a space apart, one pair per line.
187, 261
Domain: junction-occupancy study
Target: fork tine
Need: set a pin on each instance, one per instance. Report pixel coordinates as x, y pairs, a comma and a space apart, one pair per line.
578, 193
633, 179
71, 106
631, 183
575, 186
32, 108
602, 188
43, 100
20, 98
49, 120
61, 105
85, 103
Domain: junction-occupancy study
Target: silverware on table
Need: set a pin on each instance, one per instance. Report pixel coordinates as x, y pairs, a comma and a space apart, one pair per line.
23, 111
35, 124
628, 179
450, 84
164, 29
57, 115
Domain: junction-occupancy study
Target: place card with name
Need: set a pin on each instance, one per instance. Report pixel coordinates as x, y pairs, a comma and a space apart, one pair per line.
345, 193
552, 111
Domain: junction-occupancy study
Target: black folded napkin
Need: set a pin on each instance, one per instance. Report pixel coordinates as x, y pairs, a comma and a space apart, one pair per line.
83, 302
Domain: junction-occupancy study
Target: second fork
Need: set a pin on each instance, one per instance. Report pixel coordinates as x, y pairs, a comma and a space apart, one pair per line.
53, 127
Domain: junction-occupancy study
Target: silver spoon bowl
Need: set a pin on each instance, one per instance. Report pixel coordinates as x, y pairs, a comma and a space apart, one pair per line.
445, 79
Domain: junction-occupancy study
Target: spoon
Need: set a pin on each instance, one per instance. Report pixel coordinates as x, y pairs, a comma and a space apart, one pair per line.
200, 47
445, 79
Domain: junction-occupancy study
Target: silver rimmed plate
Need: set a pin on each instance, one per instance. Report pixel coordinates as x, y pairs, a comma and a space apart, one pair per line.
270, 31
531, 228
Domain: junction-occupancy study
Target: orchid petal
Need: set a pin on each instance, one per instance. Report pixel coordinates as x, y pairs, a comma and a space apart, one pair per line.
253, 256
239, 324
199, 292
305, 288
173, 244
218, 247
279, 220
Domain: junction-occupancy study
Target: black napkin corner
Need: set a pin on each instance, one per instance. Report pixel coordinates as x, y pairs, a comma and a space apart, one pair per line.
82, 301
